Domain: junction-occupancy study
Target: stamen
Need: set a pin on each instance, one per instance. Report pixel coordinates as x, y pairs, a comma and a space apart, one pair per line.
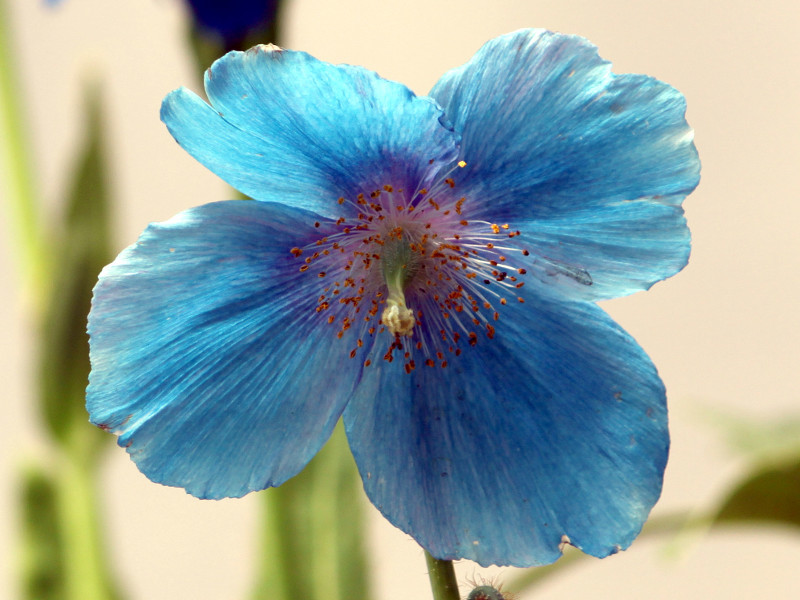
412, 265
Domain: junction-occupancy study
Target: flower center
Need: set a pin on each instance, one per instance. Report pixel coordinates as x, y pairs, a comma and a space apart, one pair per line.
435, 278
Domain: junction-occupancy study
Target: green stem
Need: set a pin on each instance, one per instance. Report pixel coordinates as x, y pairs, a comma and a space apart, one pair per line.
85, 567
21, 197
277, 577
443, 578
336, 516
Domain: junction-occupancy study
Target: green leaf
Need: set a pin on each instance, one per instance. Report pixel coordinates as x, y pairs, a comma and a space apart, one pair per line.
768, 495
769, 492
81, 249
759, 442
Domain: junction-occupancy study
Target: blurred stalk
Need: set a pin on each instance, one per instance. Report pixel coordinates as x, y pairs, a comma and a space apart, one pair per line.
86, 567
43, 568
336, 501
21, 194
62, 557
313, 533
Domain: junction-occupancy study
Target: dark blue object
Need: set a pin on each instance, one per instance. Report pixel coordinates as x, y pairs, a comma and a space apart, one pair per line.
233, 19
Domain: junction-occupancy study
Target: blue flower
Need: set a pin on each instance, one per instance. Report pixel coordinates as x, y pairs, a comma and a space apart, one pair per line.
233, 19
424, 267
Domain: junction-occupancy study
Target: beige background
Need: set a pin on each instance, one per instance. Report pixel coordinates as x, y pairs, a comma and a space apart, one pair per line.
724, 333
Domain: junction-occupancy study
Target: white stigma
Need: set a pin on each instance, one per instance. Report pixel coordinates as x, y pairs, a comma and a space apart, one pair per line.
398, 318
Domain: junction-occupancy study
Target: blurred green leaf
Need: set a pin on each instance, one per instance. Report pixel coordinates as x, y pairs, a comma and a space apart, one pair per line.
81, 247
313, 534
771, 494
759, 442
42, 542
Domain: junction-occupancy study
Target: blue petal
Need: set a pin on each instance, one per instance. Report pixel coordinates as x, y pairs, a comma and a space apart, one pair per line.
575, 155
289, 128
557, 426
206, 358
608, 252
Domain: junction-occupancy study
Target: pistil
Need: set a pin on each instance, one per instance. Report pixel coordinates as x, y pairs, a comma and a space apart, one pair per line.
400, 262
